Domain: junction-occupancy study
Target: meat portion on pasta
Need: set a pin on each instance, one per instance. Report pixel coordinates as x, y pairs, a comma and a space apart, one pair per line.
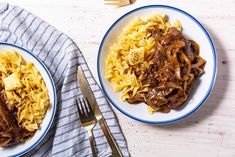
176, 64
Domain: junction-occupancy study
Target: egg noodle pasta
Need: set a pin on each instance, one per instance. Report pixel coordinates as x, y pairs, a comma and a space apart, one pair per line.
24, 90
132, 46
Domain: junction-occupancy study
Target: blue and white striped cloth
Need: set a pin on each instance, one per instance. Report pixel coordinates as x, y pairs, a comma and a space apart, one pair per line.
61, 55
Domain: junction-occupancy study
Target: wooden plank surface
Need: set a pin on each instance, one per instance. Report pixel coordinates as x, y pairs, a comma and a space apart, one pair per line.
209, 132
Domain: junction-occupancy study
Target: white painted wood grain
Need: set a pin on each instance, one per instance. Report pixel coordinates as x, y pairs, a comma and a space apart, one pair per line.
209, 132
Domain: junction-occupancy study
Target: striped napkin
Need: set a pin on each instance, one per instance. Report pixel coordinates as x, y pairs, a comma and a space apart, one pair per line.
60, 54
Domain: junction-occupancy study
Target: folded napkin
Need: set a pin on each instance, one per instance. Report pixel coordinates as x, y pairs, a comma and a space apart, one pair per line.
60, 54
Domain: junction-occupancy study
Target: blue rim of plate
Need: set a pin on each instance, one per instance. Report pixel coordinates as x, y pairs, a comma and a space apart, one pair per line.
54, 93
214, 69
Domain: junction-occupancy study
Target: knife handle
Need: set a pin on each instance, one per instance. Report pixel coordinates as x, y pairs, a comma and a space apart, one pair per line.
114, 147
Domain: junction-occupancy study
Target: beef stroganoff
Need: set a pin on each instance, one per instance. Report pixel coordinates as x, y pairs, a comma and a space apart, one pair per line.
24, 98
153, 62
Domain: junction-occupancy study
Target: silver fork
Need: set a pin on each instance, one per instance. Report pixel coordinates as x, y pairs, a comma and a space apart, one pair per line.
88, 120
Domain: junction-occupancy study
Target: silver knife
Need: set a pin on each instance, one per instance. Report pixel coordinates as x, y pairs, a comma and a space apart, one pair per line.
88, 94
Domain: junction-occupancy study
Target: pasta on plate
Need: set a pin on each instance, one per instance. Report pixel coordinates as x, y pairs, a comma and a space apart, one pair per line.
23, 90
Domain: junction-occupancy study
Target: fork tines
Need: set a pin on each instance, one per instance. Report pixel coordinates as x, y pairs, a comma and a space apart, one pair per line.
84, 108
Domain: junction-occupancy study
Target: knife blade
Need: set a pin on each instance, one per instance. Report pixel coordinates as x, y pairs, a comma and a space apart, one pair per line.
88, 94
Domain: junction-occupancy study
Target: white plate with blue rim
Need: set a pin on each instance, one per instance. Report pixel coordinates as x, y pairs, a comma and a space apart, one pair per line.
22, 148
192, 29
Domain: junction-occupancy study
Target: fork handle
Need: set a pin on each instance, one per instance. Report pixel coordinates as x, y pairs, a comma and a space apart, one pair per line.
92, 142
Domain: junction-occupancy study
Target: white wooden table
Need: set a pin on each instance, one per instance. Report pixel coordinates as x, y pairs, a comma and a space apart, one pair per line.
210, 132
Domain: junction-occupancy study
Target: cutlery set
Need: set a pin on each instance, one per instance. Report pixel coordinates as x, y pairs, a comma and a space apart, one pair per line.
90, 115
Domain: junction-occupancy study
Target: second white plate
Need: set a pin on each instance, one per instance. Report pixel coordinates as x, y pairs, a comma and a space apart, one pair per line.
22, 148
192, 29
